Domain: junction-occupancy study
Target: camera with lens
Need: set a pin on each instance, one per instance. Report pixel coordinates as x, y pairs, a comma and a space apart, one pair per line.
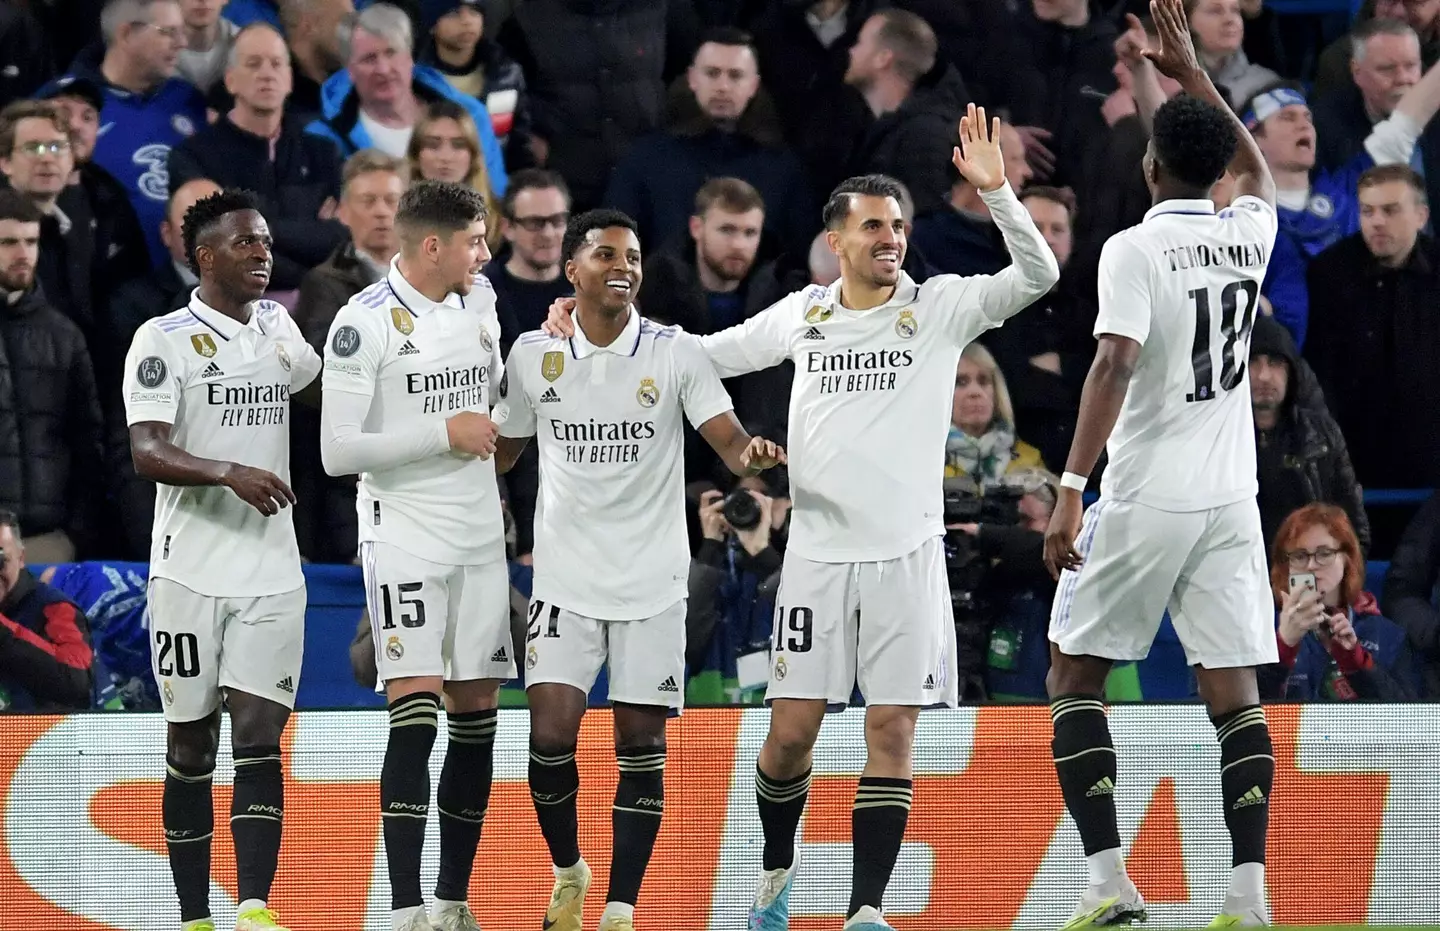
966, 503
741, 510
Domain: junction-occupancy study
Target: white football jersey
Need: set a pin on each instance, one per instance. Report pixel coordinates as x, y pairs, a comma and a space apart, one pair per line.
610, 535
423, 362
1185, 284
224, 387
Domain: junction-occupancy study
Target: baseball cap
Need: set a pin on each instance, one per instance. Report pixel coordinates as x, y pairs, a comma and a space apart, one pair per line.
432, 10
72, 86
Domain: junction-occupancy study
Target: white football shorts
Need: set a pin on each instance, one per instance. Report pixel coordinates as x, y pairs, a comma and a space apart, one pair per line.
430, 619
888, 626
1207, 567
646, 657
200, 644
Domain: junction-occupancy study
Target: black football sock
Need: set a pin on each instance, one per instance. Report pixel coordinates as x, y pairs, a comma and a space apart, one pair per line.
635, 818
257, 812
405, 792
462, 798
1247, 774
554, 783
188, 814
877, 827
781, 803
1085, 763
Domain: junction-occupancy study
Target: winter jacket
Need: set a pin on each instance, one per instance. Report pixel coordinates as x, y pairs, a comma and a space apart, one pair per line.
292, 177
1409, 592
505, 95
45, 651
1304, 458
50, 423
693, 151
340, 118
913, 144
1377, 669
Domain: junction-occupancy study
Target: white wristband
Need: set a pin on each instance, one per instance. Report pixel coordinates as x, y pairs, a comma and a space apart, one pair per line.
1073, 482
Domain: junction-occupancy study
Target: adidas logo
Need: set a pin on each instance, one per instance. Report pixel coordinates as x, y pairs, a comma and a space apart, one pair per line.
500, 656
1106, 786
1253, 797
669, 685
813, 333
549, 396
929, 680
408, 349
211, 371
286, 684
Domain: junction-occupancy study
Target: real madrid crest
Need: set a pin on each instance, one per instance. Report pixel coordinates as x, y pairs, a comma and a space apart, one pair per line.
168, 692
552, 365
819, 313
402, 320
486, 343
531, 658
283, 356
906, 326
647, 394
204, 344
780, 668
393, 649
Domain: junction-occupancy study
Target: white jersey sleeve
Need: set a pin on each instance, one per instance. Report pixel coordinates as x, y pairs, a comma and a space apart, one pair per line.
1124, 291
761, 342
701, 393
976, 303
515, 413
305, 362
154, 378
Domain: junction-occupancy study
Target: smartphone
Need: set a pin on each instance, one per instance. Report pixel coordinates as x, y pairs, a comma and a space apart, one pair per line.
1302, 580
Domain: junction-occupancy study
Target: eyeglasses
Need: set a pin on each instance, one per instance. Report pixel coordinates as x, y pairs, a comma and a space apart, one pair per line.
37, 149
1323, 556
537, 224
173, 33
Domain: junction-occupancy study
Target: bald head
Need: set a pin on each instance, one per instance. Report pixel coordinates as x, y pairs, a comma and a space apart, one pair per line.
181, 200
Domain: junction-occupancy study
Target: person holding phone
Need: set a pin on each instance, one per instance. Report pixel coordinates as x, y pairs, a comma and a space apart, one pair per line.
1333, 642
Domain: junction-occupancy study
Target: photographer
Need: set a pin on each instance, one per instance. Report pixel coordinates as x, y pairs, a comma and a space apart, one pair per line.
999, 587
44, 638
733, 580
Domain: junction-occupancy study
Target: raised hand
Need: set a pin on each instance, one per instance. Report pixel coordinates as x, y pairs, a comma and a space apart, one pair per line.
1176, 56
978, 155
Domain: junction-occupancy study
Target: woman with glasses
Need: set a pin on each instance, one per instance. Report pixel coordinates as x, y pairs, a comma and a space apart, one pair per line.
1334, 643
446, 147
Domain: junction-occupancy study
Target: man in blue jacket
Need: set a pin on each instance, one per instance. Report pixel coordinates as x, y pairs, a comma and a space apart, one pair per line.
377, 100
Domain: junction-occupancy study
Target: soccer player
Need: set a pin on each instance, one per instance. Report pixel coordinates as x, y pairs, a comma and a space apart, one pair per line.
207, 397
611, 553
410, 364
1176, 525
863, 588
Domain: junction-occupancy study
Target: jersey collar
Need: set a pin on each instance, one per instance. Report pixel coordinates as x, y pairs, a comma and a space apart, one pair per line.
626, 344
1204, 208
413, 300
227, 328
906, 291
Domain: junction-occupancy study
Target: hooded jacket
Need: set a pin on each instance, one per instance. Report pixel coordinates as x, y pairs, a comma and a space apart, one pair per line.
340, 118
1303, 459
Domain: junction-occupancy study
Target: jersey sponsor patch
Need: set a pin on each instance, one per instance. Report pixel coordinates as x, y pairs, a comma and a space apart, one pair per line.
346, 342
151, 372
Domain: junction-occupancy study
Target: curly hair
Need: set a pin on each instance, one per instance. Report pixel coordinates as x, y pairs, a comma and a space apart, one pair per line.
583, 225
837, 208
1193, 140
440, 207
206, 213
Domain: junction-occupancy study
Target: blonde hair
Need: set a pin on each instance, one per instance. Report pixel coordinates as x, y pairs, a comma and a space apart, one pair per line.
479, 176
1004, 407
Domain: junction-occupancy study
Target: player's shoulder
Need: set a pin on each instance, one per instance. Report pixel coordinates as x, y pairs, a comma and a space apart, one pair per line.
176, 325
366, 307
809, 305
1126, 248
659, 333
269, 312
535, 342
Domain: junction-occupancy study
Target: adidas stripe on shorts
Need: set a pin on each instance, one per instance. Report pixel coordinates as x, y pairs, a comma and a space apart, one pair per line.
646, 657
200, 644
430, 619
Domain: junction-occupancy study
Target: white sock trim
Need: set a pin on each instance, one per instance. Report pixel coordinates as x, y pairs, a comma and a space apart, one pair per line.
1247, 881
1106, 866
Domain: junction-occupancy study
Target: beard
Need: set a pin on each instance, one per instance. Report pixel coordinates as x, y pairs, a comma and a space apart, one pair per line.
12, 280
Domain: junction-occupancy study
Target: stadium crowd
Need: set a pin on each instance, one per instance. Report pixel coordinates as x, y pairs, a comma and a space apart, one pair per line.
719, 125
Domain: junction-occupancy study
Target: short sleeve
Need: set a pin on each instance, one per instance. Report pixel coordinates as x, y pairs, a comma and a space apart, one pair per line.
1124, 291
305, 362
1256, 217
514, 413
701, 394
353, 351
154, 378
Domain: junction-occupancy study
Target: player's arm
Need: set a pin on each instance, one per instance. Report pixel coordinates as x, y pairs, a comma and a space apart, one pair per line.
1121, 328
514, 415
742, 453
708, 408
1176, 59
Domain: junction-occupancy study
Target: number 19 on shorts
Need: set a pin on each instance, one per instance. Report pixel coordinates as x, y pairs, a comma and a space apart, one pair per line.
794, 630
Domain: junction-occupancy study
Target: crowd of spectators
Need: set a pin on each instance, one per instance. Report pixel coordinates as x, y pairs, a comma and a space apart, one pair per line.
719, 125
